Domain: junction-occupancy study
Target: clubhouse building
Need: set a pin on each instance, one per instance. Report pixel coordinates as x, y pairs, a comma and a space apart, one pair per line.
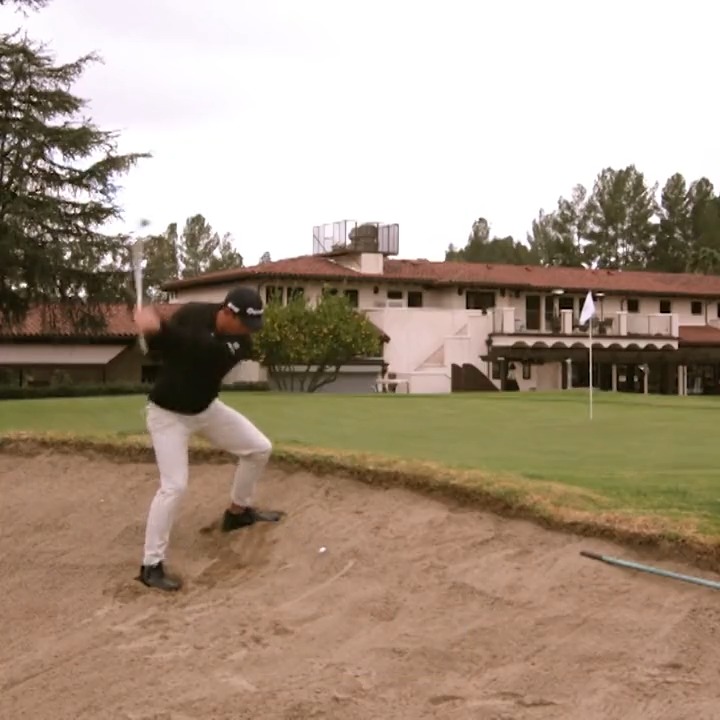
448, 327
473, 326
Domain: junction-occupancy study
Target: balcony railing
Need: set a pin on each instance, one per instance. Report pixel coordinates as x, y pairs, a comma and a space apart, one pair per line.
649, 325
620, 324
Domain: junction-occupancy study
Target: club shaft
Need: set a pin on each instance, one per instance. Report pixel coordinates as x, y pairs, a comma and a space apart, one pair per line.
137, 262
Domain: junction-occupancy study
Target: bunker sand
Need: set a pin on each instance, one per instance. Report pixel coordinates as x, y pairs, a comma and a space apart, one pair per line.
416, 610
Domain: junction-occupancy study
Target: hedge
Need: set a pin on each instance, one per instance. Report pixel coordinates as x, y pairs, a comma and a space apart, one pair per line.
21, 393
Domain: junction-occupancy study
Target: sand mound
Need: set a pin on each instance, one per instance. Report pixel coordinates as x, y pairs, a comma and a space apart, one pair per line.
416, 609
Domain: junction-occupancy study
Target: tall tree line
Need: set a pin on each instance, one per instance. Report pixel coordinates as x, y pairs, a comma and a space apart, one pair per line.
623, 222
58, 175
481, 248
57, 185
196, 249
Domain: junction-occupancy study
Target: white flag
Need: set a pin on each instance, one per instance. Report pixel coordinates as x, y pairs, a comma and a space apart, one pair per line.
588, 309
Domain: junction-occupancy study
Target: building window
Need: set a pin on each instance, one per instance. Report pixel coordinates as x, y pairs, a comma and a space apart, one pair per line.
633, 305
496, 370
696, 307
552, 310
352, 296
394, 294
415, 298
527, 370
295, 292
479, 300
549, 311
665, 307
567, 302
274, 294
532, 312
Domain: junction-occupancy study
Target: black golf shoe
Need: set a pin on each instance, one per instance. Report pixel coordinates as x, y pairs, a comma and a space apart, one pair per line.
249, 516
154, 576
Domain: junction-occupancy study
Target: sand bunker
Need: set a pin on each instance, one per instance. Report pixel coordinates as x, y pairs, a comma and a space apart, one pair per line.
416, 609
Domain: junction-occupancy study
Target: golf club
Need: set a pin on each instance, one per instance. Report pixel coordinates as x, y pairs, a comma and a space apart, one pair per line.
137, 260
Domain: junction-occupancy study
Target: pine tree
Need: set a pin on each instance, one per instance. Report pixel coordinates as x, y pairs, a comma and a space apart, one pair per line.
547, 245
672, 249
569, 226
704, 212
202, 250
225, 257
618, 222
162, 263
57, 187
480, 248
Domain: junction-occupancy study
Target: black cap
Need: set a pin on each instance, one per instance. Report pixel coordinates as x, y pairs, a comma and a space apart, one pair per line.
247, 304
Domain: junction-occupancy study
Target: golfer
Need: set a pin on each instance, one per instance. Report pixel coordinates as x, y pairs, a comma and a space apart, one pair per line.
197, 347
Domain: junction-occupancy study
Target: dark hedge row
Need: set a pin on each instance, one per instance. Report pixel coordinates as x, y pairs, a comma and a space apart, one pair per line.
19, 393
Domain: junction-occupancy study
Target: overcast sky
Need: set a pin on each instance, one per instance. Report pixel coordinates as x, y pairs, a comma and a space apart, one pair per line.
271, 116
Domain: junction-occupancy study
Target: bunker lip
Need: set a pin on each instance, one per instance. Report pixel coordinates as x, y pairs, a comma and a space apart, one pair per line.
548, 505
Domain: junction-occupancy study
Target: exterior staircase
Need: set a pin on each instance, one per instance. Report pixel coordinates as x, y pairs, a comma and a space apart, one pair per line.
465, 377
469, 378
435, 360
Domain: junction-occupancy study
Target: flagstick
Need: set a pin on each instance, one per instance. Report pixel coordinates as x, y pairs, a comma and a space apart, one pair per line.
591, 369
587, 314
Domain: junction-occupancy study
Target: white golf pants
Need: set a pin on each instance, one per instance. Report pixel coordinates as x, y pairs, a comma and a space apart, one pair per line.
220, 425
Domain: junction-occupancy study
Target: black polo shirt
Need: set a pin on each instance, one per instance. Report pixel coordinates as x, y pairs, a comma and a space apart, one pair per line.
194, 360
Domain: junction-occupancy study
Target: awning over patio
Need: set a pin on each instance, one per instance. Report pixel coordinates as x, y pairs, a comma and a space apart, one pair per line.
699, 336
50, 354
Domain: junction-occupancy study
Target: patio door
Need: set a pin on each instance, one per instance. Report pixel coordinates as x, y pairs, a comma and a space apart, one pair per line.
532, 312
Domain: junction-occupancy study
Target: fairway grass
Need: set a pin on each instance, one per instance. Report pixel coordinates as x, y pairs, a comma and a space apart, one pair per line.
647, 462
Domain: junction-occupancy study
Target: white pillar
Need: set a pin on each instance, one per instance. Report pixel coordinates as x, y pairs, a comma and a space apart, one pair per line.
674, 325
646, 373
682, 380
622, 322
508, 320
614, 377
566, 322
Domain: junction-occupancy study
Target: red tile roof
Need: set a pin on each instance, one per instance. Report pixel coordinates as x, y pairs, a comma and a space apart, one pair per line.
50, 321
699, 335
301, 267
480, 274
